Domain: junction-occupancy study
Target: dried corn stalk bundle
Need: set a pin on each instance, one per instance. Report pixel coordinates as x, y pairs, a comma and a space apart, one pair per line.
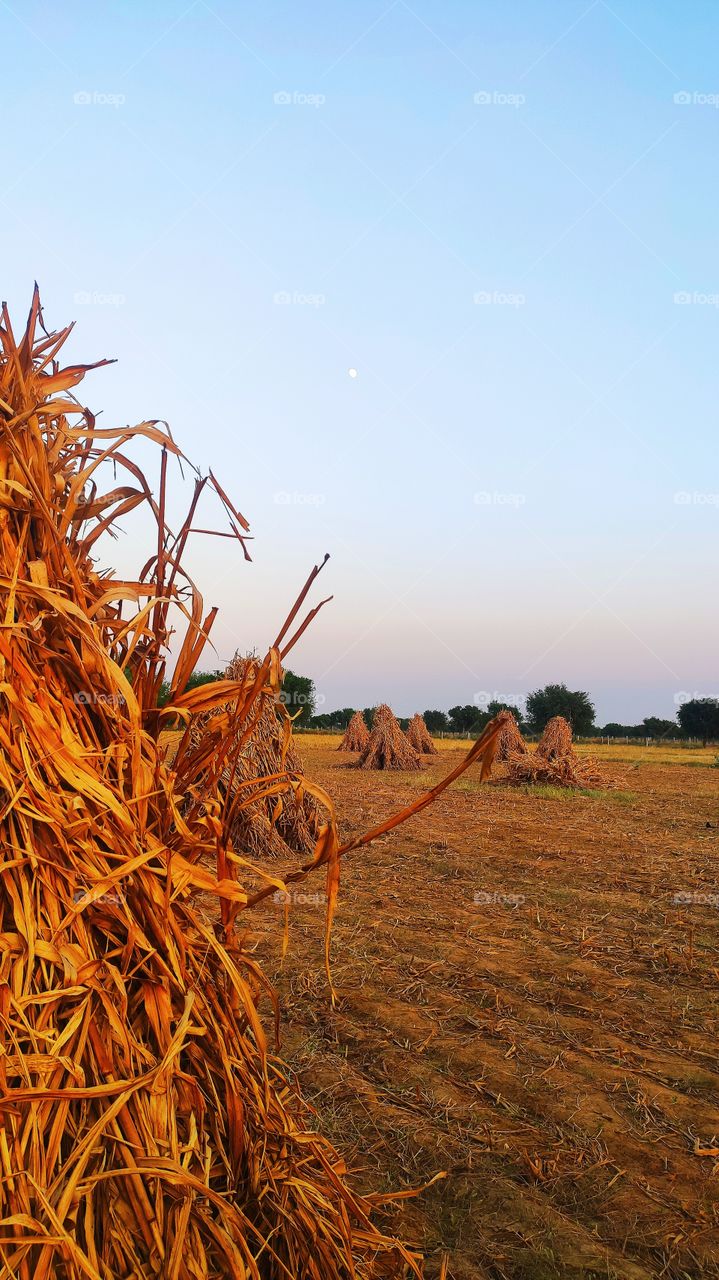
554, 762
419, 737
568, 770
388, 747
263, 825
511, 741
556, 739
145, 1130
356, 734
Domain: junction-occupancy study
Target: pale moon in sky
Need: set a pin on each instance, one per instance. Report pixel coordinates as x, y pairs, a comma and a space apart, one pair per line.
352, 373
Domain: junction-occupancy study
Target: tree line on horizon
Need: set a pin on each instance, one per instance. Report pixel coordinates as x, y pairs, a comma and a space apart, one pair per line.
696, 718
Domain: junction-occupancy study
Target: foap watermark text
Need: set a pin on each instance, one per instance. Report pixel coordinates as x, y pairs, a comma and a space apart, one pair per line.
689, 898
95, 98
495, 899
296, 897
495, 498
485, 697
696, 98
285, 298
498, 98
296, 98
498, 298
285, 498
695, 498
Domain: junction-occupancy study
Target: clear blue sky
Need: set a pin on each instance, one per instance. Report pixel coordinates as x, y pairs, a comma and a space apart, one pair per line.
497, 484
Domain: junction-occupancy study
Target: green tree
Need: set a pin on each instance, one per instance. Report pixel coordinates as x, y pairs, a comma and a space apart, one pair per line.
558, 700
436, 721
298, 695
699, 718
330, 719
324, 721
466, 719
204, 677
655, 727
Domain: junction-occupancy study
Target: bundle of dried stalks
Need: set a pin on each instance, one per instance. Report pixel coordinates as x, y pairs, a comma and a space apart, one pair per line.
383, 712
146, 1130
356, 734
568, 770
556, 739
419, 737
264, 825
511, 741
388, 747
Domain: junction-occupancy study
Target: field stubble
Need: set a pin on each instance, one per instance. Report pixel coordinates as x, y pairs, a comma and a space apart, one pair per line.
526, 1006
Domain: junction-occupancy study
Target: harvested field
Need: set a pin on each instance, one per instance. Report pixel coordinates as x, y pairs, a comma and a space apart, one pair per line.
522, 1004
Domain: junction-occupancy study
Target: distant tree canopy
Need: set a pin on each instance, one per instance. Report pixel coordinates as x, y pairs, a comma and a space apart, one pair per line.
558, 700
699, 718
204, 677
299, 697
465, 719
472, 719
197, 678
331, 719
656, 727
436, 721
651, 727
